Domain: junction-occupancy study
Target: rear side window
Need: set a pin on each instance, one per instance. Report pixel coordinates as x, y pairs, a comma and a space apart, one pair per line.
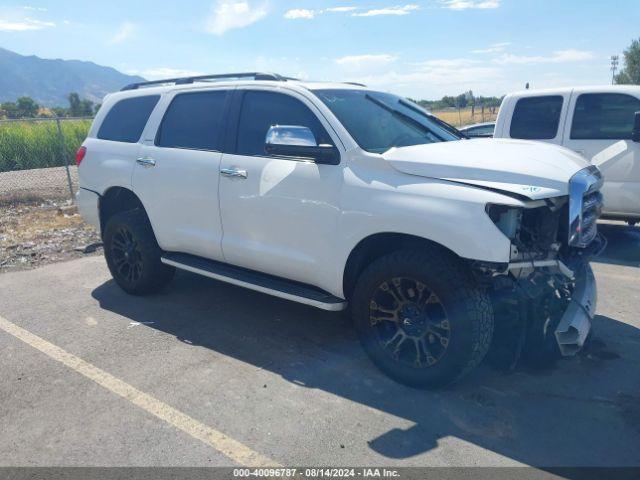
536, 118
127, 118
193, 121
261, 110
604, 116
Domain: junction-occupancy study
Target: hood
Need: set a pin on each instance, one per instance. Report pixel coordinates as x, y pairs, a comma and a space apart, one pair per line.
532, 169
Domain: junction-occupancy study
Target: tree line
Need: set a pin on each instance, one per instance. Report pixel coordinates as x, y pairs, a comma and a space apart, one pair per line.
464, 100
630, 74
27, 107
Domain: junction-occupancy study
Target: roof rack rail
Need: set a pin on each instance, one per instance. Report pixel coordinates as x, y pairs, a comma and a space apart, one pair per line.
188, 80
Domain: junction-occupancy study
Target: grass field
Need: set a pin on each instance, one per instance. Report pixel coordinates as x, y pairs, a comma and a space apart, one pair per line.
36, 144
464, 117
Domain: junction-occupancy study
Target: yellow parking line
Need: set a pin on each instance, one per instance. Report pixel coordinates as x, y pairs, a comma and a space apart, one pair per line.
233, 449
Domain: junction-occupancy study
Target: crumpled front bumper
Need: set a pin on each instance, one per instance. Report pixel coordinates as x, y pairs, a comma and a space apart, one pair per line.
575, 324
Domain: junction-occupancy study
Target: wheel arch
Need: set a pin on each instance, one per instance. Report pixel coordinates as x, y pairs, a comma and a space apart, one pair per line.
377, 245
115, 200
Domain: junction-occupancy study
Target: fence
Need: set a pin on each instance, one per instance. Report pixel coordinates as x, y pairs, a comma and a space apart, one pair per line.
37, 157
460, 117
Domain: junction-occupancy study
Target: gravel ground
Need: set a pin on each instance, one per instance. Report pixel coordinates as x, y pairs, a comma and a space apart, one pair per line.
32, 235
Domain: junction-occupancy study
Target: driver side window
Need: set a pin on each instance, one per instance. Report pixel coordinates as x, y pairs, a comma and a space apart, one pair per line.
260, 110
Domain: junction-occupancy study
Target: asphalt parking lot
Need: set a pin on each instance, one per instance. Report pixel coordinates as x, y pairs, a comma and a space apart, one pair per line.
208, 374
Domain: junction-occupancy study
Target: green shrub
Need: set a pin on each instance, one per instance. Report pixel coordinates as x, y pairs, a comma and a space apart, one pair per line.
25, 145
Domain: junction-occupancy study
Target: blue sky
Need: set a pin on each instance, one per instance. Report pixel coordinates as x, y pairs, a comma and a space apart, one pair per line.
420, 49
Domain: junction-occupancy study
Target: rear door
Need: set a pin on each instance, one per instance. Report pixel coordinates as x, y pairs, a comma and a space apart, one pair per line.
600, 127
177, 171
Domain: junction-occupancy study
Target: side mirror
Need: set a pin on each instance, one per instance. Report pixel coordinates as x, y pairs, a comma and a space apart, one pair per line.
635, 135
297, 141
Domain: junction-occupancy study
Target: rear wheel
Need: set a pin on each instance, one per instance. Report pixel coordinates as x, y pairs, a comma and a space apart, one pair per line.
133, 255
420, 317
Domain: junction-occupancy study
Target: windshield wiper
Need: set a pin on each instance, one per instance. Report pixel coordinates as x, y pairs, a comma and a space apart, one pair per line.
432, 117
403, 116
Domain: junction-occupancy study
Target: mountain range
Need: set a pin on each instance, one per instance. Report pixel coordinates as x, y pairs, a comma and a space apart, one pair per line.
49, 81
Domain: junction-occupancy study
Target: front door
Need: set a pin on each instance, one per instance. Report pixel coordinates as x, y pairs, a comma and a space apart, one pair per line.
600, 129
279, 215
177, 173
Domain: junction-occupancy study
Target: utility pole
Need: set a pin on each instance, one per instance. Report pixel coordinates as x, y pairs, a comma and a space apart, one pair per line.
614, 67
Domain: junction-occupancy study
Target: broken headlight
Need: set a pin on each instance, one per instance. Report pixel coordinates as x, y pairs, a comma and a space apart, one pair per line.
506, 218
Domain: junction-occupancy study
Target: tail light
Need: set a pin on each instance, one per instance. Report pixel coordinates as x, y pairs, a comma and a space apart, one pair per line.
82, 151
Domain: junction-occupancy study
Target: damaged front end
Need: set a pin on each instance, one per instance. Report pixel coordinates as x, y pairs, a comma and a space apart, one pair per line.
545, 298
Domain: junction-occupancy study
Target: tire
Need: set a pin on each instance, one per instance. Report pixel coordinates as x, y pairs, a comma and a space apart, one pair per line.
510, 321
133, 255
440, 325
541, 350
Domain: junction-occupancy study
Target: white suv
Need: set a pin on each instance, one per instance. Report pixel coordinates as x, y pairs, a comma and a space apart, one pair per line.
331, 195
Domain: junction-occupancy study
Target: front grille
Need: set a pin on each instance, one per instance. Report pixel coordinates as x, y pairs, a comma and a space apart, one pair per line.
585, 206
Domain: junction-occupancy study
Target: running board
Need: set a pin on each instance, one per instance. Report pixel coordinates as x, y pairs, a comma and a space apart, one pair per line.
260, 282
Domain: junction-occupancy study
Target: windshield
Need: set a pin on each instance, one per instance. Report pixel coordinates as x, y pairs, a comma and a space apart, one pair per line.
379, 121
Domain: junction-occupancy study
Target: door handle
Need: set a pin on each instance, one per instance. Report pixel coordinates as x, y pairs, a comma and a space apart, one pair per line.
233, 172
146, 162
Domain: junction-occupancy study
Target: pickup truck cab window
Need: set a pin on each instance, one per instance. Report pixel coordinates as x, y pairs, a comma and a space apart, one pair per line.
604, 116
193, 121
379, 121
261, 110
536, 118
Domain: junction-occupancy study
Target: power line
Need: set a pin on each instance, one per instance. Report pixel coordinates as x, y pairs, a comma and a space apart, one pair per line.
614, 67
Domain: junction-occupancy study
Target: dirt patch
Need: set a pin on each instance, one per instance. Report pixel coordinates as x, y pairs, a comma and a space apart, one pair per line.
32, 235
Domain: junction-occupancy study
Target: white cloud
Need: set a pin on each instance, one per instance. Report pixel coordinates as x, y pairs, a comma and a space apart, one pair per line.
368, 61
34, 9
396, 10
340, 9
23, 25
560, 56
125, 31
227, 15
158, 73
445, 63
493, 48
307, 14
470, 4
435, 78
297, 13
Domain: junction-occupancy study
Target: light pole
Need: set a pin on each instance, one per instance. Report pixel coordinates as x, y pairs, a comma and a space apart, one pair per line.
614, 67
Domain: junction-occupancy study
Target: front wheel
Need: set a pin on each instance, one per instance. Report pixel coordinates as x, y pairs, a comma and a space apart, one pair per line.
420, 317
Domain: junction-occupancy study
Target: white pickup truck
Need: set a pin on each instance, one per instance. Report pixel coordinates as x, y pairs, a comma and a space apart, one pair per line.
335, 195
600, 123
